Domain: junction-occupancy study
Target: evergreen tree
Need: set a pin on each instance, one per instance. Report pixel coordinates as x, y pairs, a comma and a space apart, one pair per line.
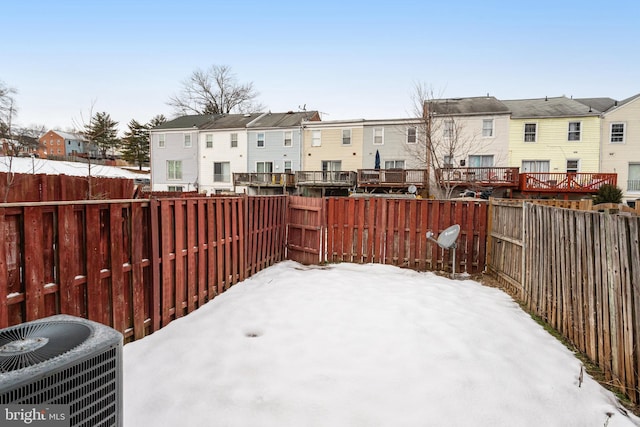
102, 133
157, 121
135, 144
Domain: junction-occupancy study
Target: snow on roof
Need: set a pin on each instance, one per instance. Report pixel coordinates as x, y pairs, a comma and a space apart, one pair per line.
51, 167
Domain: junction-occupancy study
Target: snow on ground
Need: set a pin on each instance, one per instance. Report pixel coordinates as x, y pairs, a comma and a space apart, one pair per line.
54, 167
359, 345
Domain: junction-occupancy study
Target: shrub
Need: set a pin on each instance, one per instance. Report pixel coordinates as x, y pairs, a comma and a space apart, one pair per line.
608, 193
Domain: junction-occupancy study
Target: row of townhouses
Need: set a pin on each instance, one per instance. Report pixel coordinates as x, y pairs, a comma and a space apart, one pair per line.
257, 153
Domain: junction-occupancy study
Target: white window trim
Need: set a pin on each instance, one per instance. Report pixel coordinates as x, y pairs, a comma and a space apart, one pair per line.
284, 165
207, 141
572, 160
319, 133
493, 128
231, 140
407, 135
264, 140
162, 141
579, 131
174, 179
624, 132
190, 144
374, 136
524, 132
284, 139
342, 137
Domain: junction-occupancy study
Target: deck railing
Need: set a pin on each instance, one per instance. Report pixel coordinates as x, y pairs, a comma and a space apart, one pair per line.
392, 177
326, 179
264, 179
554, 182
485, 177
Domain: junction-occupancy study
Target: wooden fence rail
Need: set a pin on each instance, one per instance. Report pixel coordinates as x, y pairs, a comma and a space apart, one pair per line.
580, 272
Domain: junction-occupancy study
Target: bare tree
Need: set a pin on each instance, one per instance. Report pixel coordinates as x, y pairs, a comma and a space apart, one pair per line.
442, 139
9, 144
215, 91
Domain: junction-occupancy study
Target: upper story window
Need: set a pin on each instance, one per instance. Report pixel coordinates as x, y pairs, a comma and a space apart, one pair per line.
574, 131
530, 131
209, 141
412, 135
288, 138
187, 141
260, 141
234, 140
161, 140
487, 128
617, 133
316, 138
448, 132
346, 136
378, 136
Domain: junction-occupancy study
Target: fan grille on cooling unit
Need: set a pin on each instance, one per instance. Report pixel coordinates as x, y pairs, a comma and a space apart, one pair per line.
30, 344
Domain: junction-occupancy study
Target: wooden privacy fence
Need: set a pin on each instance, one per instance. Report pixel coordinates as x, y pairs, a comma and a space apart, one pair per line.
580, 272
134, 265
393, 231
44, 188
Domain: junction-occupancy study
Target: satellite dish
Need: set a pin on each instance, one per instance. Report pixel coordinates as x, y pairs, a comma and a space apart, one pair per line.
412, 189
447, 240
448, 237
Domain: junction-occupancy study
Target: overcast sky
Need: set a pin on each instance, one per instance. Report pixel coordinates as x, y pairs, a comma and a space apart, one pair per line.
347, 59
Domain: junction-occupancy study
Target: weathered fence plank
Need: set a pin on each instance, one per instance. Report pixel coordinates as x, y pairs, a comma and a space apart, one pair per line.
581, 270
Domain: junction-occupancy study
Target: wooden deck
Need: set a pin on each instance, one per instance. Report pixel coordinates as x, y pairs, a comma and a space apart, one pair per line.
391, 178
336, 179
266, 179
559, 182
478, 177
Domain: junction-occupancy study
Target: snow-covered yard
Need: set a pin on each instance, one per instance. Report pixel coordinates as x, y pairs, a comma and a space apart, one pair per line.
359, 345
51, 167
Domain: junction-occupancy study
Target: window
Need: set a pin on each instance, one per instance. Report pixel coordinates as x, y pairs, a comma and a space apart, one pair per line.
530, 132
234, 140
209, 141
573, 166
260, 142
481, 161
346, 136
574, 131
174, 169
535, 166
412, 135
264, 167
633, 180
448, 161
331, 165
487, 128
288, 166
288, 138
394, 164
617, 133
448, 132
378, 136
316, 138
187, 141
161, 141
177, 188
221, 172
